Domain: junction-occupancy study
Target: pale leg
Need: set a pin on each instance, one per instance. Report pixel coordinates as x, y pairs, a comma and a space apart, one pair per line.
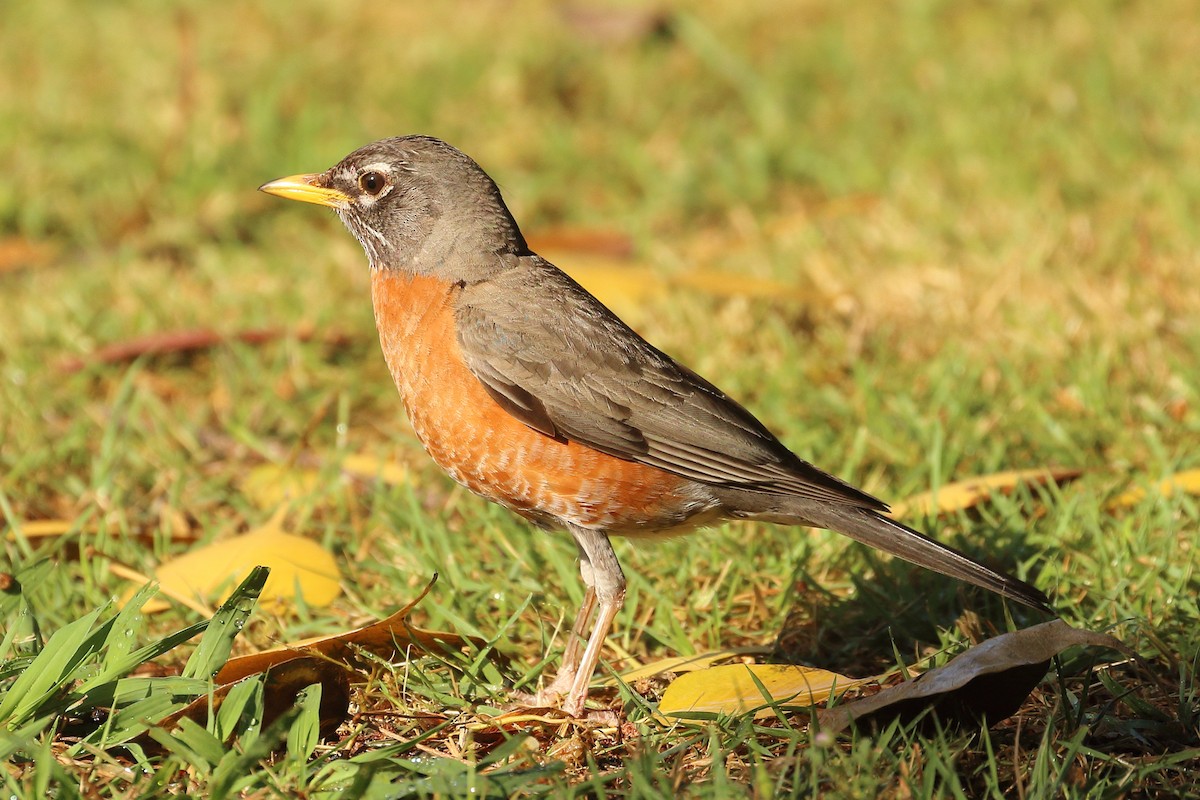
606, 585
565, 678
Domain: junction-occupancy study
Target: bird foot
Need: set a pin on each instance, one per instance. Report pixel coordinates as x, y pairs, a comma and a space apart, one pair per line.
540, 703
561, 694
550, 697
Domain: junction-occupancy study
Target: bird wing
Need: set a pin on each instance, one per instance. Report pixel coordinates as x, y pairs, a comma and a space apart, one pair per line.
554, 357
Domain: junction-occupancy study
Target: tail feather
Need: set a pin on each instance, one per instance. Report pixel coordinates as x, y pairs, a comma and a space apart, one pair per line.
873, 529
886, 534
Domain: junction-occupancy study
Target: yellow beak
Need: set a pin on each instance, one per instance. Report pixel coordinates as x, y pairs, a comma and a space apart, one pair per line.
305, 189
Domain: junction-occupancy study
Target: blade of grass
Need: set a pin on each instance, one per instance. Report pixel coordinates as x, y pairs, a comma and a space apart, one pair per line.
213, 650
67, 648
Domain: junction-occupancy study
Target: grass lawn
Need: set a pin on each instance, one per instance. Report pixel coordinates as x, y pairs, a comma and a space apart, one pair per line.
922, 241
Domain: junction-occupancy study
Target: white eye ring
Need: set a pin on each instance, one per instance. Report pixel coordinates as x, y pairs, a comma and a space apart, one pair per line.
372, 182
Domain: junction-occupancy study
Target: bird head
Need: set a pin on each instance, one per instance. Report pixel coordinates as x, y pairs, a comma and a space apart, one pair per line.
415, 204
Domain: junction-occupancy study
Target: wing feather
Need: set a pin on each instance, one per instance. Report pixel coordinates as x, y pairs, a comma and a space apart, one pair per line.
583, 375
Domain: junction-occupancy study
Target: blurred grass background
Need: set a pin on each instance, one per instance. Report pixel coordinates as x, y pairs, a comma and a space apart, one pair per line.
988, 213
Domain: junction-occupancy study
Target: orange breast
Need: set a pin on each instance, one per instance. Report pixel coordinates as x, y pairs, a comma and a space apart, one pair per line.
493, 454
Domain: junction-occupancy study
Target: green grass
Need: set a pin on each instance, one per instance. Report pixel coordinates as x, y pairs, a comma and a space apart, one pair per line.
989, 213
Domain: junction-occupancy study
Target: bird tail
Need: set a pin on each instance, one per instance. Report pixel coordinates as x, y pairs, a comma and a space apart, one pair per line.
873, 529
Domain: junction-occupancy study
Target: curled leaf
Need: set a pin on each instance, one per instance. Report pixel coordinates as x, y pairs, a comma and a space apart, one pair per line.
988, 681
388, 638
281, 685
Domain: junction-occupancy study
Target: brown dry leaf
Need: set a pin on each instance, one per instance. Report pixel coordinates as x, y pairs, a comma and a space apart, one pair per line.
281, 686
989, 680
1187, 482
210, 573
17, 252
605, 25
681, 664
184, 341
962, 495
571, 242
388, 638
732, 689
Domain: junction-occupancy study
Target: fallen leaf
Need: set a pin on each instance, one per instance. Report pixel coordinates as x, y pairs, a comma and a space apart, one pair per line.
990, 680
154, 606
370, 468
588, 241
388, 638
272, 485
735, 689
297, 565
1187, 482
625, 287
18, 253
40, 528
281, 684
681, 664
619, 286
605, 25
184, 341
601, 262
31, 529
962, 495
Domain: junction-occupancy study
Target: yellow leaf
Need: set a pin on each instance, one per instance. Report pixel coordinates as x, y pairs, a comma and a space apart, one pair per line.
272, 485
680, 664
618, 286
371, 468
966, 494
731, 689
623, 286
208, 575
388, 638
1187, 482
41, 528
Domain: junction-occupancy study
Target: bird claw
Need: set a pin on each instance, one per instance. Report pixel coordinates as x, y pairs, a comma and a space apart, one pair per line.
543, 705
558, 696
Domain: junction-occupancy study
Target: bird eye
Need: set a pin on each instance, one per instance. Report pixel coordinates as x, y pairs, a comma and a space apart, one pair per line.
372, 182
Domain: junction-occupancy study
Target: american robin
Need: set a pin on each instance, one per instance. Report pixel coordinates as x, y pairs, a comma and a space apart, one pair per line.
531, 393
